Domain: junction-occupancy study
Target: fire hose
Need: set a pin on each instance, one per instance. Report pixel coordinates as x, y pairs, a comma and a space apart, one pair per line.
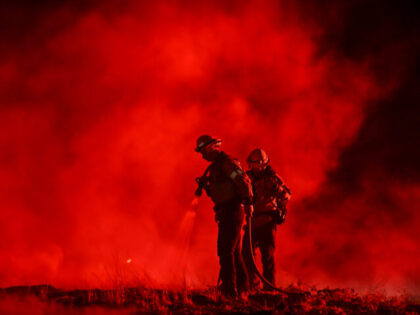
254, 264
251, 251
201, 181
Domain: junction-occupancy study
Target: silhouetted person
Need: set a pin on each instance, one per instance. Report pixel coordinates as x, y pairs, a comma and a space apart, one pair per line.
270, 198
229, 187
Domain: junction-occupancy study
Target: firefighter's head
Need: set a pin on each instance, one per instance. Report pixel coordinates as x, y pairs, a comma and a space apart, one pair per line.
208, 146
257, 160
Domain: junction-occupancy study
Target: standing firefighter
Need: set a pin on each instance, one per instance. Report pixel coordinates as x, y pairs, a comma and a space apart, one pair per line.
230, 189
270, 198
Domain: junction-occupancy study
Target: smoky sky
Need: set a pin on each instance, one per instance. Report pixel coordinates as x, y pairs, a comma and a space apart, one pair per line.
101, 104
376, 183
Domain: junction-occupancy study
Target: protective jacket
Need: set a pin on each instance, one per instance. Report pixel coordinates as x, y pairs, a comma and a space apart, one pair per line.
227, 182
270, 193
229, 187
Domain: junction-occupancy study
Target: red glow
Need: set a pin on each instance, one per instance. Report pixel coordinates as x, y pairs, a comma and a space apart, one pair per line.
98, 124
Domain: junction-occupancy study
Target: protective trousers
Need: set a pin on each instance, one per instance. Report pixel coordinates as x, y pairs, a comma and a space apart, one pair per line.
262, 238
232, 267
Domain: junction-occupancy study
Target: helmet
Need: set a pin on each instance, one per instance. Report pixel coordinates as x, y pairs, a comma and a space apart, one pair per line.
258, 156
205, 140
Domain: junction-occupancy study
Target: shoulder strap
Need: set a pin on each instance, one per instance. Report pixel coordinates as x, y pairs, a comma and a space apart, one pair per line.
276, 177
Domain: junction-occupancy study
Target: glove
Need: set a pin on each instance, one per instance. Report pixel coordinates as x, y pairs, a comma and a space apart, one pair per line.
280, 216
198, 192
249, 210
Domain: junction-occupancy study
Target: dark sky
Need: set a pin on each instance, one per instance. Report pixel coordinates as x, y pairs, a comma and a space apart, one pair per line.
388, 31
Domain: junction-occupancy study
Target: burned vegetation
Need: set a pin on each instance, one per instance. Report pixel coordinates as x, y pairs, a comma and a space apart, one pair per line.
292, 300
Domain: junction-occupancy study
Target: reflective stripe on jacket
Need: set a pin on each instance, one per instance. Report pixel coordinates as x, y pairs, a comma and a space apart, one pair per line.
228, 181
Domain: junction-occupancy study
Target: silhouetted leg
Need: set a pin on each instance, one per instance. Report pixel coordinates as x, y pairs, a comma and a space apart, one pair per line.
246, 254
267, 247
228, 240
241, 272
225, 248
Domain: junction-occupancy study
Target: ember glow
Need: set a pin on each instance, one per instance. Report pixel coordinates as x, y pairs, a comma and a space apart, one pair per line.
100, 107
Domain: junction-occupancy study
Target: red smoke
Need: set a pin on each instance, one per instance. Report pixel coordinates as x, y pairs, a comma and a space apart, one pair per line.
100, 110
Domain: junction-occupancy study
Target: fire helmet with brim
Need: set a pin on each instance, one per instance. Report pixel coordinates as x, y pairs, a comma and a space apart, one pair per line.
258, 156
206, 140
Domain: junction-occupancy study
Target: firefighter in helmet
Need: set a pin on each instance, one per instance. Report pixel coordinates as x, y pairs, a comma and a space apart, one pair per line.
270, 198
226, 183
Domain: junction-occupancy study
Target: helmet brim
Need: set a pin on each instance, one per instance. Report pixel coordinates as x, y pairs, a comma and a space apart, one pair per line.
213, 142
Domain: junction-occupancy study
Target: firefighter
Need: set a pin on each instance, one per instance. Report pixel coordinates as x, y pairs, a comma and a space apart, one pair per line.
226, 183
270, 198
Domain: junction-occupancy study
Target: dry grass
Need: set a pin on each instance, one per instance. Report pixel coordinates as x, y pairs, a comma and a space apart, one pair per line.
293, 300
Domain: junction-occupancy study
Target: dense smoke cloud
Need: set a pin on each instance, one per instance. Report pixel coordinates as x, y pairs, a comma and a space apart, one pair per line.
101, 105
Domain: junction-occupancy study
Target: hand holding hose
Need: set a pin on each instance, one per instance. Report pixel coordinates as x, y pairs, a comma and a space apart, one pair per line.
249, 210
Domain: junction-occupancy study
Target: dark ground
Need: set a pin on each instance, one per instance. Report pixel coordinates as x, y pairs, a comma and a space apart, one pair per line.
45, 299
